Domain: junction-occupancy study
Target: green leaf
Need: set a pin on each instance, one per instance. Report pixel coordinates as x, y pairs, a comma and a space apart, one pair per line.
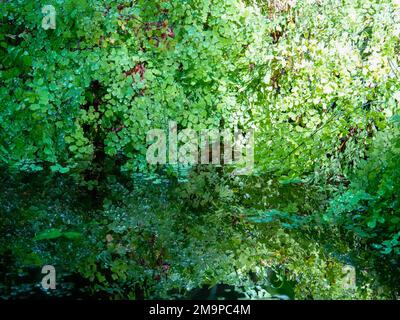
290, 181
372, 223
48, 235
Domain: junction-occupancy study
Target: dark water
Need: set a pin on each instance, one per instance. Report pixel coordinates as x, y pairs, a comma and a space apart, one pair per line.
22, 200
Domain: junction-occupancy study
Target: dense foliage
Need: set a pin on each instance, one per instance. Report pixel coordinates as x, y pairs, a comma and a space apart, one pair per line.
316, 80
